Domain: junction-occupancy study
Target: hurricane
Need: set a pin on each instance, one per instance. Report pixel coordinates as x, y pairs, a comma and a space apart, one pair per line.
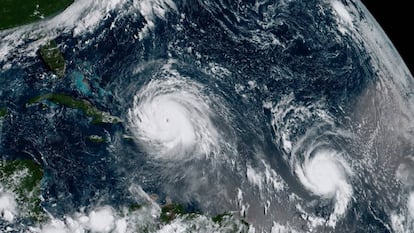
326, 173
171, 117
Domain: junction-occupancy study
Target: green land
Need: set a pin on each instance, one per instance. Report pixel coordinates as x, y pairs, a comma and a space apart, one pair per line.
23, 177
19, 12
86, 107
170, 212
3, 112
53, 58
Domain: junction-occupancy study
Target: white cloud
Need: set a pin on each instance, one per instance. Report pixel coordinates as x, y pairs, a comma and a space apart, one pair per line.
8, 205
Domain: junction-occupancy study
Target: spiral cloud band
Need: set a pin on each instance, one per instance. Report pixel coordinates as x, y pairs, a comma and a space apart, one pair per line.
325, 175
171, 117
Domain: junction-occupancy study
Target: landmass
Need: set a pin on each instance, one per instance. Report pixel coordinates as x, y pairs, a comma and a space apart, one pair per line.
3, 112
22, 178
170, 212
53, 58
86, 107
14, 13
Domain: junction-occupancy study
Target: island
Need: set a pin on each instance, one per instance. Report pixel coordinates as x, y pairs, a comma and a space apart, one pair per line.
85, 106
53, 58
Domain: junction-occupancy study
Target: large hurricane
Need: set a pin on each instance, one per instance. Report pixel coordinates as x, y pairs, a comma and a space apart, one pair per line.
171, 118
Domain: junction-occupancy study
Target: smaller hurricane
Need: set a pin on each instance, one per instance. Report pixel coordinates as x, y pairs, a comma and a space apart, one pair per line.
172, 119
325, 173
320, 161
